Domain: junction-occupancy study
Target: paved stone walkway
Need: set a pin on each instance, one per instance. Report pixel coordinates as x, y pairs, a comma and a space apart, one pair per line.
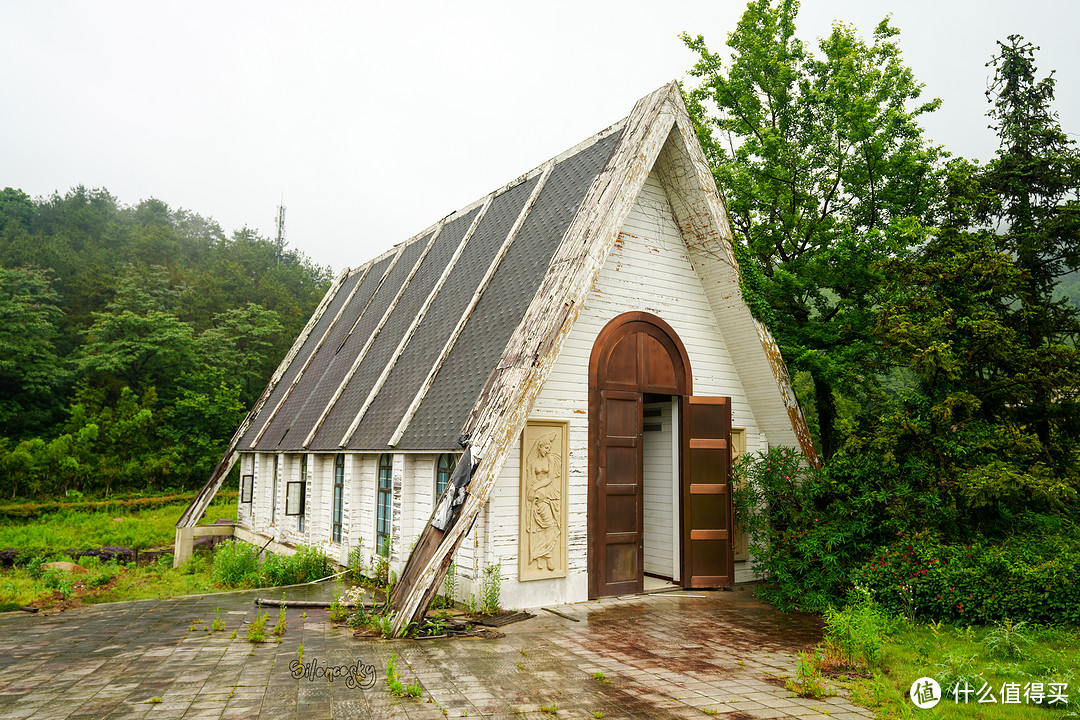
666, 655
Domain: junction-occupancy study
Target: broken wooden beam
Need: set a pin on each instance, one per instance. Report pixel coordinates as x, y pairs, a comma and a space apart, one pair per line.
501, 411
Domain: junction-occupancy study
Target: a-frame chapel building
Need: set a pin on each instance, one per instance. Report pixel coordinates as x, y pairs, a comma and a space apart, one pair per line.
584, 324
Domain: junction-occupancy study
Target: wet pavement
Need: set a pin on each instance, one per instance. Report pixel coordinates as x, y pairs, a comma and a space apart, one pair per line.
684, 654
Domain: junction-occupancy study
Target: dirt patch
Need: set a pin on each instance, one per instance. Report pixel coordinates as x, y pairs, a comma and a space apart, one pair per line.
58, 603
80, 597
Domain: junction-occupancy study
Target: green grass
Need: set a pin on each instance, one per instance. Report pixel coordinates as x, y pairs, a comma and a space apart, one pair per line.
142, 583
52, 535
76, 529
17, 589
145, 583
949, 654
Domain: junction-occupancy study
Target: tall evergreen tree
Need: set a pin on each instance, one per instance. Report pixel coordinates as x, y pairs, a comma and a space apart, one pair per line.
1032, 198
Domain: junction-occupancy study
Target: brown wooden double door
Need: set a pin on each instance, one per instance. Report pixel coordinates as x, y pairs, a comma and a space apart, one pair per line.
641, 355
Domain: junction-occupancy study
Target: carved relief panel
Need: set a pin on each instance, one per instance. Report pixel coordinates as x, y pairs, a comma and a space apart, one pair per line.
542, 533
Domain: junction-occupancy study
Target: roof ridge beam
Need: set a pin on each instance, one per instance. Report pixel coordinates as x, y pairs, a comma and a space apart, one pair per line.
484, 282
415, 322
375, 333
503, 406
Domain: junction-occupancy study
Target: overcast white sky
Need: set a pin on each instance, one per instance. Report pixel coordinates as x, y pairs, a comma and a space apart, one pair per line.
374, 119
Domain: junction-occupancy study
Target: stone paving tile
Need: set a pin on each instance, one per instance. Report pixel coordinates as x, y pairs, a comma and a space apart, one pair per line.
661, 657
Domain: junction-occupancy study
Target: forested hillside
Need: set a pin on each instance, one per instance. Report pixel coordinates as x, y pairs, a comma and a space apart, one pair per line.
133, 339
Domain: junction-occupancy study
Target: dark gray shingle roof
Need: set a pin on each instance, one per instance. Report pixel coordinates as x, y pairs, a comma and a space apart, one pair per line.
329, 353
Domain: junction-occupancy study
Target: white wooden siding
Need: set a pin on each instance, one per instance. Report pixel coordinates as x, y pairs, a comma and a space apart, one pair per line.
322, 477
361, 493
418, 489
288, 526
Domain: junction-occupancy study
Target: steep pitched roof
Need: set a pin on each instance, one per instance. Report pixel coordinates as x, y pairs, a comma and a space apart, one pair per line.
401, 351
456, 329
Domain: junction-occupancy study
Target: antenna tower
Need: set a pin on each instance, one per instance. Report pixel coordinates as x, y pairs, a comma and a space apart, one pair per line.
280, 230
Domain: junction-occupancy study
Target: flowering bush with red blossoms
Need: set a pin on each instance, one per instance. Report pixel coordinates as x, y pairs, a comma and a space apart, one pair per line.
1030, 574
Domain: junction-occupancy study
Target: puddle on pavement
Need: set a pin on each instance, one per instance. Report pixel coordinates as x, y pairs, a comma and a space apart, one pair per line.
698, 634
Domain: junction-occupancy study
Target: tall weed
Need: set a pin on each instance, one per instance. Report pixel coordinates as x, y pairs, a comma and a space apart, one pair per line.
358, 569
491, 589
860, 629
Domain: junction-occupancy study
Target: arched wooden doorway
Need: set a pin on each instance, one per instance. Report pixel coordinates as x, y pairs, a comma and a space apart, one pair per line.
637, 355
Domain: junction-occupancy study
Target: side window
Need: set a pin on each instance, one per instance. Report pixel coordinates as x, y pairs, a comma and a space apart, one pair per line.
444, 468
296, 499
382, 520
339, 496
273, 493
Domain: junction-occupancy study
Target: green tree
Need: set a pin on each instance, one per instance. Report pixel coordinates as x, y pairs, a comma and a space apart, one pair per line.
1032, 197
946, 320
15, 207
137, 341
149, 329
199, 426
122, 435
32, 374
20, 466
240, 347
824, 170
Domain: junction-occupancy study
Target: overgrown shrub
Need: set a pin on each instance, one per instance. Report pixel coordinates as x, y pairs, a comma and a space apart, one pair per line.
1029, 574
339, 611
1007, 641
58, 580
449, 589
307, 564
381, 569
491, 589
806, 530
257, 628
104, 574
310, 563
358, 570
236, 564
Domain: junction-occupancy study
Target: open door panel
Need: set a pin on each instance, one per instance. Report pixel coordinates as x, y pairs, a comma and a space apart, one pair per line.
708, 557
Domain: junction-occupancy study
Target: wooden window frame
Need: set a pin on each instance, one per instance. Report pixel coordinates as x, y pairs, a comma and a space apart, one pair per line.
337, 509
384, 500
440, 475
294, 498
